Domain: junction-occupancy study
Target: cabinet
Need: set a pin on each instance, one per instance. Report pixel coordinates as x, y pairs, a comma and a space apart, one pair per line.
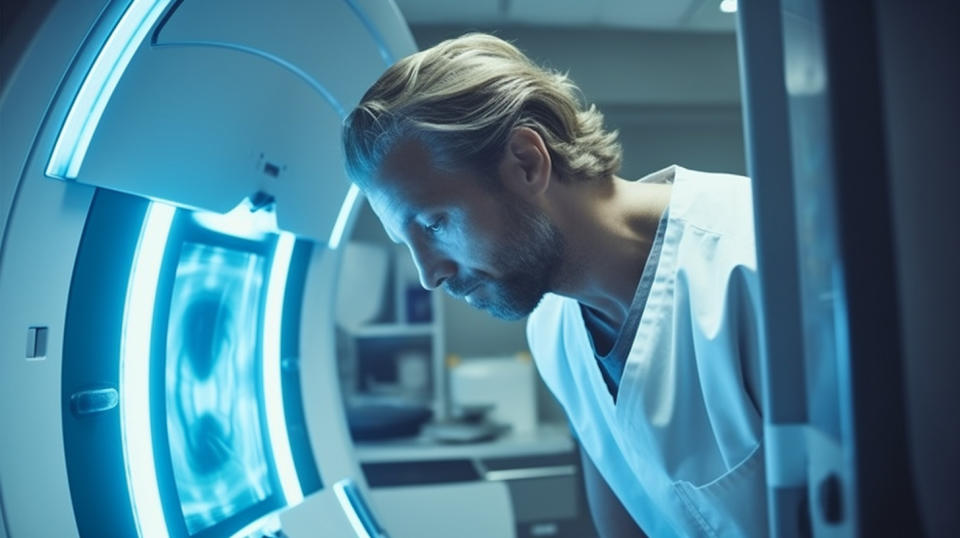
396, 356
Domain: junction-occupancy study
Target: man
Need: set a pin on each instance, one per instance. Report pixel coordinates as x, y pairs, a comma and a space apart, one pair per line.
642, 295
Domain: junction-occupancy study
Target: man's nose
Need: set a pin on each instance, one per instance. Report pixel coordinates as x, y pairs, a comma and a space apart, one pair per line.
432, 266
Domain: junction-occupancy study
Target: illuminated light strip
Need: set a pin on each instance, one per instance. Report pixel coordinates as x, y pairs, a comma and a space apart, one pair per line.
350, 509
97, 87
341, 224
135, 346
272, 388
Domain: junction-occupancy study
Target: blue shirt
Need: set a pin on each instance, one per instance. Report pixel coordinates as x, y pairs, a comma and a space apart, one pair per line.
611, 344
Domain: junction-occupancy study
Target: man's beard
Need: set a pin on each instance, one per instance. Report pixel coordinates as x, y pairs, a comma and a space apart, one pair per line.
529, 259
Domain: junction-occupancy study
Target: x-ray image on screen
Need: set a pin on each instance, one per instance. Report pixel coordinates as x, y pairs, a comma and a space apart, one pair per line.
213, 421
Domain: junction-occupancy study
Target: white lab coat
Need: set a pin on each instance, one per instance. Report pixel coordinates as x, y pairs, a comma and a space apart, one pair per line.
682, 446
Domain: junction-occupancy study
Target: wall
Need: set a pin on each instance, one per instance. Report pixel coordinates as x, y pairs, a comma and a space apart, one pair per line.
674, 97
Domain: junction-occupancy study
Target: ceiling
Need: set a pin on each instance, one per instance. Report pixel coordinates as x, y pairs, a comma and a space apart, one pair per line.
662, 15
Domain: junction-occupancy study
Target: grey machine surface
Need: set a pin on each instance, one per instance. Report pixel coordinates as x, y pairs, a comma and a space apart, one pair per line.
172, 197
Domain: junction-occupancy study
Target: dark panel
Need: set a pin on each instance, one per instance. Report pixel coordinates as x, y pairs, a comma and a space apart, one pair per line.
920, 69
526, 462
91, 360
886, 503
407, 473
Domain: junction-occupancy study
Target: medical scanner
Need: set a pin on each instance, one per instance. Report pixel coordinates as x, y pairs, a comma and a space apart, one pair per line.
172, 206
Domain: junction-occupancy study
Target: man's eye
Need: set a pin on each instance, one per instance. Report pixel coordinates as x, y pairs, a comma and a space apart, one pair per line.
435, 226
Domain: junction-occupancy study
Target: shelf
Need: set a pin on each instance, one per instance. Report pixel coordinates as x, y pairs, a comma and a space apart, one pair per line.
546, 439
393, 330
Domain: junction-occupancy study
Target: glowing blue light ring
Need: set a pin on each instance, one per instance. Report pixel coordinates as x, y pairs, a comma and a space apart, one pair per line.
340, 226
98, 86
135, 346
272, 388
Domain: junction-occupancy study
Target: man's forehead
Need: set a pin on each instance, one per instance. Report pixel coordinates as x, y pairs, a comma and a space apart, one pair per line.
398, 185
406, 155
385, 207
407, 183
405, 175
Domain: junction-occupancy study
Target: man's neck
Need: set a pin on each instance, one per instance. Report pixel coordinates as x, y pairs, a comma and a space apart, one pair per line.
609, 228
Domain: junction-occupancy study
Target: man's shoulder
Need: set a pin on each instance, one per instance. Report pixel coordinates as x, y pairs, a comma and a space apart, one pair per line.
718, 202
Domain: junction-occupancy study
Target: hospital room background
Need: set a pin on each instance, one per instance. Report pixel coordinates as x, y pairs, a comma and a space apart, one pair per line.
222, 341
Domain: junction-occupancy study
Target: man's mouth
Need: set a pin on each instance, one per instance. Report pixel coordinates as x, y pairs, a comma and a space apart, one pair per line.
468, 297
465, 294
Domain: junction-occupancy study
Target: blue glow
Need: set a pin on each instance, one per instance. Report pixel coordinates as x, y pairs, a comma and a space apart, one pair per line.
341, 489
345, 209
135, 346
241, 221
98, 86
216, 436
272, 388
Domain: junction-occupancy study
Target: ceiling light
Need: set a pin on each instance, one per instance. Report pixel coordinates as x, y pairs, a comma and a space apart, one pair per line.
728, 6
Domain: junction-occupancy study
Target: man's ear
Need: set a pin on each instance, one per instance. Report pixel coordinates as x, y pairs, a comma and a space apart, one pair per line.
526, 166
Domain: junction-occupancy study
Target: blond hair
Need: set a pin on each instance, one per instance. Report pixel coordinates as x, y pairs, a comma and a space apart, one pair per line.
463, 98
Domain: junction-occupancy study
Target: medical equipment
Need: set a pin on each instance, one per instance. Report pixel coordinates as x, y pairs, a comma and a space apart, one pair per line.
173, 202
